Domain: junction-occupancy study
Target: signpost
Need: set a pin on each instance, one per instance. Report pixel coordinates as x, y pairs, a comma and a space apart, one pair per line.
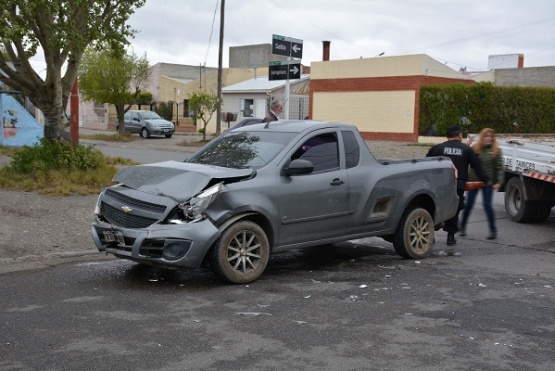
291, 48
284, 70
287, 46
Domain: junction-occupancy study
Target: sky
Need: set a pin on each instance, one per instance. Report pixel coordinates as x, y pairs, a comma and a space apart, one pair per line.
461, 34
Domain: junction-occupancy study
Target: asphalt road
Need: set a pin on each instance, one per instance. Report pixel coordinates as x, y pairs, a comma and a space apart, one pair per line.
482, 305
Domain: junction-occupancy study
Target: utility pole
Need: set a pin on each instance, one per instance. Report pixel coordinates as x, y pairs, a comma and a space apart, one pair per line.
74, 119
220, 53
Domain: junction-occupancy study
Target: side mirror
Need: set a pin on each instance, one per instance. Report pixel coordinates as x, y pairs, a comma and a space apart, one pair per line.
299, 167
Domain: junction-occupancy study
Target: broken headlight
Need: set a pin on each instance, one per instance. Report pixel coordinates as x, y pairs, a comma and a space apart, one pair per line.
197, 204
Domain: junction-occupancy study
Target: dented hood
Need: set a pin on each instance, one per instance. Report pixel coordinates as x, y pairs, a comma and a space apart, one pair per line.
177, 180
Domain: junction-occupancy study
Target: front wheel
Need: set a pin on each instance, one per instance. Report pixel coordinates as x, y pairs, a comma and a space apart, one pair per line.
241, 253
414, 236
517, 207
168, 136
145, 133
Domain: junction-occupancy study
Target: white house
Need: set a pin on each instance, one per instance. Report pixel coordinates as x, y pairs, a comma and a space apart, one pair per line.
251, 98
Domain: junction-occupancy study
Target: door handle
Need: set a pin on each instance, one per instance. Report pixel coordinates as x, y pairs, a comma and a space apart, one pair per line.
337, 182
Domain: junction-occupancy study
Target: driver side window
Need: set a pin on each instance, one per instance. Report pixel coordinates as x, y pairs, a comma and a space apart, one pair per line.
321, 150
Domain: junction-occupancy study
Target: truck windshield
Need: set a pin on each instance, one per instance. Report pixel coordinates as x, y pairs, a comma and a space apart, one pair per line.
243, 149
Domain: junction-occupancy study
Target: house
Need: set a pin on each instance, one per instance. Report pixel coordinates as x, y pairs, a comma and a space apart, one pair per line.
251, 98
179, 91
378, 95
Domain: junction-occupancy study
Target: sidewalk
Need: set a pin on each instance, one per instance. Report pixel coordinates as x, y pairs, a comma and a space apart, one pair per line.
177, 143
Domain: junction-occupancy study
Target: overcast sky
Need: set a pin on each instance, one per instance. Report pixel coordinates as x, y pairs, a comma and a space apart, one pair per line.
459, 33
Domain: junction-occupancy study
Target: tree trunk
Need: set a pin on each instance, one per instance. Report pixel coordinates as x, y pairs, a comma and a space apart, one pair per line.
56, 124
120, 112
52, 98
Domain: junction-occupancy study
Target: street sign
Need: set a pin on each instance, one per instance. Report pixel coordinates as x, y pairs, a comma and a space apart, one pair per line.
287, 46
281, 45
296, 48
284, 70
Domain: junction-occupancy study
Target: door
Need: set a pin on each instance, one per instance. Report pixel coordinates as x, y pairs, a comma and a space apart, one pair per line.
314, 206
134, 125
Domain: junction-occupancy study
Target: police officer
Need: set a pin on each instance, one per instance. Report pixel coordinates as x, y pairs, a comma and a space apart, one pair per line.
462, 156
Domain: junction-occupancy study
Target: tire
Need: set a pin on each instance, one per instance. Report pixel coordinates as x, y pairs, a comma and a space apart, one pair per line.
168, 136
414, 236
517, 207
241, 253
388, 238
543, 212
145, 133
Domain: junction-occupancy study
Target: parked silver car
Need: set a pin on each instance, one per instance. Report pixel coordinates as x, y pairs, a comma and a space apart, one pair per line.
147, 123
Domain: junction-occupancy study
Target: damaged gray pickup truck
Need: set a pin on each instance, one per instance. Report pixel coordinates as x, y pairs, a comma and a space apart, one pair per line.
267, 187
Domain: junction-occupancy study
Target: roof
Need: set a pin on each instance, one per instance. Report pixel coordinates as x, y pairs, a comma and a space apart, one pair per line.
261, 84
181, 80
295, 126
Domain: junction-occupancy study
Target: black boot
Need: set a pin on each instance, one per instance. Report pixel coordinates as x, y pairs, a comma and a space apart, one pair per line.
451, 239
492, 235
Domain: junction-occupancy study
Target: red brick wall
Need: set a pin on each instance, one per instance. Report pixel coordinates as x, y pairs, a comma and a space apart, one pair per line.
383, 84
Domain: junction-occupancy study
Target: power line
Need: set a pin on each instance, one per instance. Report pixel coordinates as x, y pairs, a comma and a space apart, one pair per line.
211, 31
481, 35
533, 23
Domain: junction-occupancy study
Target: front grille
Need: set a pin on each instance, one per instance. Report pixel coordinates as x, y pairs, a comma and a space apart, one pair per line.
133, 202
121, 219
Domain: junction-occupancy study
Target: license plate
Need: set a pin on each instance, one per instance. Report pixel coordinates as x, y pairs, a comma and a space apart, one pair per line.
166, 130
113, 236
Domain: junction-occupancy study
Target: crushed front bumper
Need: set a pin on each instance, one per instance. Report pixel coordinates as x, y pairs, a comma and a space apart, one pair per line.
166, 245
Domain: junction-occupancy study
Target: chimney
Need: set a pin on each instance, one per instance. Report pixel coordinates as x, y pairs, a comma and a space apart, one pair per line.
326, 54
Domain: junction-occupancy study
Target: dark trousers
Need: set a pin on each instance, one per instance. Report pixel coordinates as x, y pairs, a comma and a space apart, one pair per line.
452, 225
487, 196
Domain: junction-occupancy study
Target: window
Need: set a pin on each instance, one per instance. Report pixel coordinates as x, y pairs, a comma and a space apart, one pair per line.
247, 107
352, 150
239, 150
185, 107
321, 150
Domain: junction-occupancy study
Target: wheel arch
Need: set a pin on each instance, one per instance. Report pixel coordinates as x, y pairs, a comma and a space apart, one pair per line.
254, 217
533, 189
424, 201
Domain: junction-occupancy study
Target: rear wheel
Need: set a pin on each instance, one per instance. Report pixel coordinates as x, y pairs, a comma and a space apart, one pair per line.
543, 212
241, 253
145, 133
414, 236
518, 208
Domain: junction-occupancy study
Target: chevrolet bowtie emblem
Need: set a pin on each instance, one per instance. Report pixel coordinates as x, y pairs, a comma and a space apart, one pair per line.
126, 209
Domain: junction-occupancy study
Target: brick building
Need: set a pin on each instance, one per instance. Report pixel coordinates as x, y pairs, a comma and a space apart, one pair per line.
378, 95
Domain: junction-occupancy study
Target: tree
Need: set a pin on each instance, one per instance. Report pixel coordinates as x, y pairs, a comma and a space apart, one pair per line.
165, 110
144, 98
105, 77
203, 105
62, 29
